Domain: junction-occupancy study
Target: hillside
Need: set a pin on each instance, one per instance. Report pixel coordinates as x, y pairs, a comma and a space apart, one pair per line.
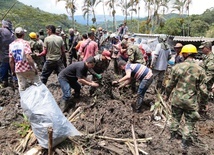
33, 19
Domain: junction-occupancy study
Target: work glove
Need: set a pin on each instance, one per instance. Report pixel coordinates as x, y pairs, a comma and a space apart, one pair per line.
98, 76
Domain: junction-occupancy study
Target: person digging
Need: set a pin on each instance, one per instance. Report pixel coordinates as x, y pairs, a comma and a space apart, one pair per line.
139, 72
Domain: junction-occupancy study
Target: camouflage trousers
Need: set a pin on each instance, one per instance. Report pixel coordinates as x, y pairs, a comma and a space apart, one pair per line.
191, 117
39, 61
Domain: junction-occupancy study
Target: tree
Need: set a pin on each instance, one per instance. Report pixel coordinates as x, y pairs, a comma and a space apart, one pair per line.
171, 26
210, 32
124, 7
111, 6
198, 28
89, 8
71, 8
104, 14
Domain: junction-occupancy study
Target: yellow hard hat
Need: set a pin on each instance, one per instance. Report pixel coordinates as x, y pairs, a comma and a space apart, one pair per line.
33, 35
189, 48
93, 29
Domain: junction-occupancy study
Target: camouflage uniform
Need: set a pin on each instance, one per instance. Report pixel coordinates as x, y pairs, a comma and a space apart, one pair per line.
37, 47
185, 82
208, 65
135, 55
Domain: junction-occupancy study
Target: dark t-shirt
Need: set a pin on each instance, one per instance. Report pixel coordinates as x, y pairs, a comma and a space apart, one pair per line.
74, 71
6, 37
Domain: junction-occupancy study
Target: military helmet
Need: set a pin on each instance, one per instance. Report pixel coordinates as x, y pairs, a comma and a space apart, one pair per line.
33, 35
189, 49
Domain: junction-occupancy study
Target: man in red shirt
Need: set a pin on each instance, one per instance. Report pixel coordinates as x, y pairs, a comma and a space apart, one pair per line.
89, 47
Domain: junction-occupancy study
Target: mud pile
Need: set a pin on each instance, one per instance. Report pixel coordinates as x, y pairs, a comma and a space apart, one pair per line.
107, 113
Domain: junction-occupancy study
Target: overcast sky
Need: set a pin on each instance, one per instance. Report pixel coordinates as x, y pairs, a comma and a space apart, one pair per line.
196, 7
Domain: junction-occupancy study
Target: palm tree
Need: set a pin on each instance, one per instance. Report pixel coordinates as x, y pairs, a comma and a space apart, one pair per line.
148, 4
71, 8
182, 6
103, 2
137, 4
132, 5
89, 7
111, 6
124, 7
178, 6
153, 7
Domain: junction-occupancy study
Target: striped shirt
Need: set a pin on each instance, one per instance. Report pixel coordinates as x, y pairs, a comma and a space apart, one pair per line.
139, 71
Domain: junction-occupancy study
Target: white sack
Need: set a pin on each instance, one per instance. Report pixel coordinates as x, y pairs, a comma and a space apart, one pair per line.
42, 111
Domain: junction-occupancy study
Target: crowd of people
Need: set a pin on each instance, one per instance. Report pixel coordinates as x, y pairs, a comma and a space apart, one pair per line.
71, 57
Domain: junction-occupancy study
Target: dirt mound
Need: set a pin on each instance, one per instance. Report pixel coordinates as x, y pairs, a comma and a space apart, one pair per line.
108, 118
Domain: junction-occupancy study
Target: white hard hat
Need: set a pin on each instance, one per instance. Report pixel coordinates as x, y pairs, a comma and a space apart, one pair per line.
112, 35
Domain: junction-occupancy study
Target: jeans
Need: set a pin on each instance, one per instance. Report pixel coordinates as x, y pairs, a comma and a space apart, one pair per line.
144, 85
49, 67
4, 69
66, 87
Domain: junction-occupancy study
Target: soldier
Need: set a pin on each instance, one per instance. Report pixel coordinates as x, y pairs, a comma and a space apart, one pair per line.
208, 63
36, 47
101, 64
72, 42
41, 34
185, 82
134, 53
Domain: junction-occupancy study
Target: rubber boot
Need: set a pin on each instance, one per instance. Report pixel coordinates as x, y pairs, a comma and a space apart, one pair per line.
138, 104
184, 144
159, 85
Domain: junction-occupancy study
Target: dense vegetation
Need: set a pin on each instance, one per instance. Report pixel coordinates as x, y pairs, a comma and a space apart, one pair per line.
34, 19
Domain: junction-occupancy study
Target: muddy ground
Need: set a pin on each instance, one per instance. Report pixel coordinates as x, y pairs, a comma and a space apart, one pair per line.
106, 113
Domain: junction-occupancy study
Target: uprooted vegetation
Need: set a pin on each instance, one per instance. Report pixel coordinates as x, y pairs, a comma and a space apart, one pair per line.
107, 123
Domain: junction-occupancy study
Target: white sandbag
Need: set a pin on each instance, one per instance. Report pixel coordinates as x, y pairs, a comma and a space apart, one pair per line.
42, 111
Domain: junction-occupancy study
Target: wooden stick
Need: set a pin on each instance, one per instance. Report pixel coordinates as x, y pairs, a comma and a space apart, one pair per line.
24, 142
130, 147
75, 113
120, 139
50, 140
135, 142
139, 149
